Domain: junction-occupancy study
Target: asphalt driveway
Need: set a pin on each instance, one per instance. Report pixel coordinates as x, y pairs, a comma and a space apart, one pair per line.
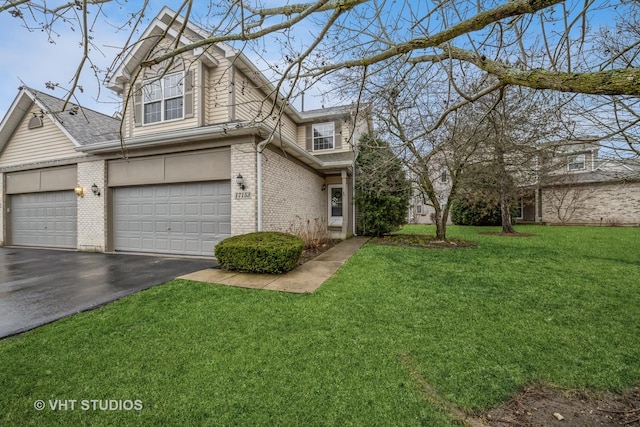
38, 286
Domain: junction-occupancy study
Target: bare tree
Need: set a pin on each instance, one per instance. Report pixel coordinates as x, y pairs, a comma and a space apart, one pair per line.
523, 123
540, 44
543, 44
406, 101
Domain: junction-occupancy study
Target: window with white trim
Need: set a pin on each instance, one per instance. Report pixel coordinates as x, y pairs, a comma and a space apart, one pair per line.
520, 209
163, 99
577, 162
323, 136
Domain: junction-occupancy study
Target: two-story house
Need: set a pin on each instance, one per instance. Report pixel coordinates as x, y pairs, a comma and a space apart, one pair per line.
204, 149
582, 187
570, 183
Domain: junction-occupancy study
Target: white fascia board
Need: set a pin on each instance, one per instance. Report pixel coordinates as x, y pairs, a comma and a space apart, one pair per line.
14, 116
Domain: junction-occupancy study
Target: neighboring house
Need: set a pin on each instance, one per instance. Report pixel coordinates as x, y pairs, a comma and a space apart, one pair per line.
583, 188
421, 209
198, 155
574, 185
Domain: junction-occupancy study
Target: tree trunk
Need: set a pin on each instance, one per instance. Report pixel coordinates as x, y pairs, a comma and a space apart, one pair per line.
507, 226
441, 226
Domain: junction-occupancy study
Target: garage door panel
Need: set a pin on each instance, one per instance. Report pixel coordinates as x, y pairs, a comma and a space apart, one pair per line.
44, 219
224, 209
184, 218
224, 228
192, 208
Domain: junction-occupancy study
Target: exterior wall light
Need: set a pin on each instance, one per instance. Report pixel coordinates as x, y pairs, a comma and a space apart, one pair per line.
324, 187
240, 181
79, 190
95, 189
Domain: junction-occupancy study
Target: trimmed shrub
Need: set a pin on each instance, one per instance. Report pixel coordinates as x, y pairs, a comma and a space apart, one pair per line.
262, 252
379, 214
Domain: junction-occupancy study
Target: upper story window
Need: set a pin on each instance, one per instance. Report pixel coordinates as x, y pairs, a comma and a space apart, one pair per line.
443, 176
163, 99
577, 163
323, 136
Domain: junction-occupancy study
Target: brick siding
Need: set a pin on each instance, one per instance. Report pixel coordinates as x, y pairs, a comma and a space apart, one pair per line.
243, 202
606, 204
290, 190
92, 209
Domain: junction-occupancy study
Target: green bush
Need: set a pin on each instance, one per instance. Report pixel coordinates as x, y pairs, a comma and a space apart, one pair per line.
380, 214
477, 212
262, 252
382, 189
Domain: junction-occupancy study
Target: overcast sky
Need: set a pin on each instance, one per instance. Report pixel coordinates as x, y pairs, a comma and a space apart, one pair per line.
29, 58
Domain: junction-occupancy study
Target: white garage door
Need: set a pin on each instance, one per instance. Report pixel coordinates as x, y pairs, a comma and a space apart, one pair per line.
186, 219
44, 219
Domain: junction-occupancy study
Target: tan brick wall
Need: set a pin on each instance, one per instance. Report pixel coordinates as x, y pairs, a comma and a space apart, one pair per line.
617, 203
92, 209
243, 203
289, 190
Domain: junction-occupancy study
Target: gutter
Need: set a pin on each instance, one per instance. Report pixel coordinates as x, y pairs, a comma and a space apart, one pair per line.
158, 139
259, 149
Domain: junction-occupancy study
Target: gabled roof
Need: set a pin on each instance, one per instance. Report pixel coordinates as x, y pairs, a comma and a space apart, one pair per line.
81, 125
161, 24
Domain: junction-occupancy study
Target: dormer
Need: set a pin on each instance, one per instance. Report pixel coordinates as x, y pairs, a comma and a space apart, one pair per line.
171, 95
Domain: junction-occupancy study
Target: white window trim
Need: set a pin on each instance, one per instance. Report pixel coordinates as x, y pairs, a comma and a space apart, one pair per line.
521, 202
333, 135
334, 220
572, 161
161, 79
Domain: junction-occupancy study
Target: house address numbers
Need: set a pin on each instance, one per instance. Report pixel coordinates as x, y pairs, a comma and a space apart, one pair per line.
243, 195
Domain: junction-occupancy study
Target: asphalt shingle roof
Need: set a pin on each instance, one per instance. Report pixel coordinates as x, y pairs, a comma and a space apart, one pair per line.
86, 126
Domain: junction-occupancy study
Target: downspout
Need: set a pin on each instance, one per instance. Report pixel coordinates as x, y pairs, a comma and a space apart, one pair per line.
260, 147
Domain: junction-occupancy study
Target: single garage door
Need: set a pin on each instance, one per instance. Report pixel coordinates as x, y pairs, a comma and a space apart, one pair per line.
46, 219
186, 219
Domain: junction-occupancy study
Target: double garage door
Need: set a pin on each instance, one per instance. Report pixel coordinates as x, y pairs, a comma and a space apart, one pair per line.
169, 204
185, 218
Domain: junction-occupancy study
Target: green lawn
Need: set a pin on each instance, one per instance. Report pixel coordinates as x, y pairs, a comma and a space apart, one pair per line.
393, 327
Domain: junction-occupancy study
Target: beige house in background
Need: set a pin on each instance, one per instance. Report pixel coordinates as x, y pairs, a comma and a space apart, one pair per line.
586, 189
203, 156
578, 187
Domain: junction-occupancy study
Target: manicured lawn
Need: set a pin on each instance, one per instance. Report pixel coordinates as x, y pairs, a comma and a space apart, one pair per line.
392, 327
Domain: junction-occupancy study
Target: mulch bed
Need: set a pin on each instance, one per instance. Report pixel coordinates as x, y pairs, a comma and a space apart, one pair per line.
545, 406
500, 233
310, 253
422, 241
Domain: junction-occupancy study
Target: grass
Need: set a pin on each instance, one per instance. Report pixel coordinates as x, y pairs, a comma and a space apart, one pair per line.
472, 327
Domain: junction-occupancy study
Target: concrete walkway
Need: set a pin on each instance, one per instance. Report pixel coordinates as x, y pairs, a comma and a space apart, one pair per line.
304, 279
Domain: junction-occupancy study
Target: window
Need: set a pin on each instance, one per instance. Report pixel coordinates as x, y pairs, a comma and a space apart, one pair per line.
163, 99
443, 176
335, 205
520, 209
323, 137
576, 163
